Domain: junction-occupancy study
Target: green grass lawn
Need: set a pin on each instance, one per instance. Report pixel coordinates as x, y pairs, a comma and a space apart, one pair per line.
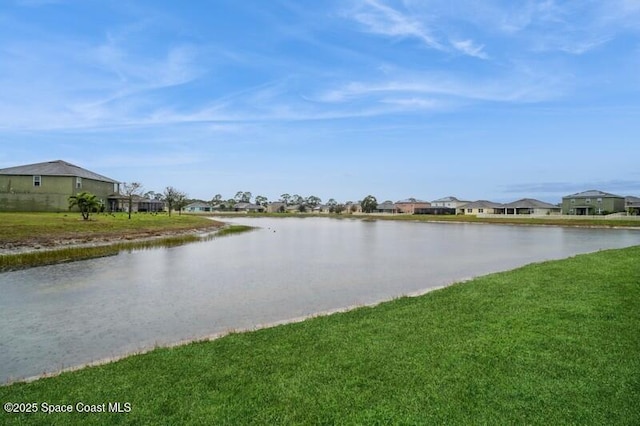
550, 343
26, 227
47, 234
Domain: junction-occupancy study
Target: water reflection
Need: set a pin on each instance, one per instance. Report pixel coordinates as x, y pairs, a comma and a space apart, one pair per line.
63, 315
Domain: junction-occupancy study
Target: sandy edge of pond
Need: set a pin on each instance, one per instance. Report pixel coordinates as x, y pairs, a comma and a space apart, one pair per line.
221, 334
41, 243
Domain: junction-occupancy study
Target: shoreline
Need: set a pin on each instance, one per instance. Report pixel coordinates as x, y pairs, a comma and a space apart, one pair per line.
40, 244
100, 241
59, 244
221, 334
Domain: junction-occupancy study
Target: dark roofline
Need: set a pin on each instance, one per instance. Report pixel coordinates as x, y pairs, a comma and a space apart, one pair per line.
55, 168
593, 193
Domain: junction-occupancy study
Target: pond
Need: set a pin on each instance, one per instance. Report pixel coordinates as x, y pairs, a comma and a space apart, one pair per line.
60, 316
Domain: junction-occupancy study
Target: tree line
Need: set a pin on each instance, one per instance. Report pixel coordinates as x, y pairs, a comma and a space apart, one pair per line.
177, 200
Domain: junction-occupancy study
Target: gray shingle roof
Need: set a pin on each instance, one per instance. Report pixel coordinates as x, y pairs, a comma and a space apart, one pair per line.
530, 203
445, 200
593, 193
54, 168
483, 204
632, 201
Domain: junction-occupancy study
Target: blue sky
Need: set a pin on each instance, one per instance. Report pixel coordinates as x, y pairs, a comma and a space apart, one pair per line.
494, 100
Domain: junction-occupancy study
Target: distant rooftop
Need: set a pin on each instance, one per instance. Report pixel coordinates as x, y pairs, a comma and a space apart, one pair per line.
530, 203
448, 200
410, 201
593, 193
54, 168
483, 204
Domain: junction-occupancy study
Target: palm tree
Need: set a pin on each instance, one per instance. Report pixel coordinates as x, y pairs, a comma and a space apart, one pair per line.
86, 202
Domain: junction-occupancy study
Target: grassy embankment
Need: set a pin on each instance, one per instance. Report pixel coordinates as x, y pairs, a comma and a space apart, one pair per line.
549, 343
507, 220
47, 234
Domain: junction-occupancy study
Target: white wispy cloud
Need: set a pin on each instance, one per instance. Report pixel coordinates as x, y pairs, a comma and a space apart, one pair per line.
87, 83
468, 47
521, 86
378, 18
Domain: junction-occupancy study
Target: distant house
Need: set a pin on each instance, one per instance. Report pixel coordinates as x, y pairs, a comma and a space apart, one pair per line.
248, 207
277, 207
530, 206
435, 210
198, 207
120, 203
322, 208
449, 202
410, 205
480, 207
592, 202
351, 207
386, 207
47, 186
632, 205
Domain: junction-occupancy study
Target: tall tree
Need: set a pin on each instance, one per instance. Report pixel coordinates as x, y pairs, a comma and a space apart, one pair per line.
181, 201
261, 200
130, 190
369, 204
86, 203
297, 199
170, 197
313, 201
217, 199
243, 197
286, 198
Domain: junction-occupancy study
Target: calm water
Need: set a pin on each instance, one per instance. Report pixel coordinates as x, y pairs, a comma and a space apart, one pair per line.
60, 316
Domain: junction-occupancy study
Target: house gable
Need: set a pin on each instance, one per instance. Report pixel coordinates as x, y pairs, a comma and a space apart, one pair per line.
47, 186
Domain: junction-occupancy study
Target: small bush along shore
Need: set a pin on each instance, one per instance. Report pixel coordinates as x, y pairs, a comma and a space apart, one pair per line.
549, 343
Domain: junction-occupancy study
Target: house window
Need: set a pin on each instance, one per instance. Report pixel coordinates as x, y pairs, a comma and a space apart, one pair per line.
573, 200
480, 210
78, 182
599, 200
469, 210
37, 180
588, 201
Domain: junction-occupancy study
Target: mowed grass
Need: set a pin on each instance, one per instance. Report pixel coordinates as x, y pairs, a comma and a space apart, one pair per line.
550, 343
33, 227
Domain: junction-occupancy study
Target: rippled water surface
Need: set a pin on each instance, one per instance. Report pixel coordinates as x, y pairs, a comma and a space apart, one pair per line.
60, 316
